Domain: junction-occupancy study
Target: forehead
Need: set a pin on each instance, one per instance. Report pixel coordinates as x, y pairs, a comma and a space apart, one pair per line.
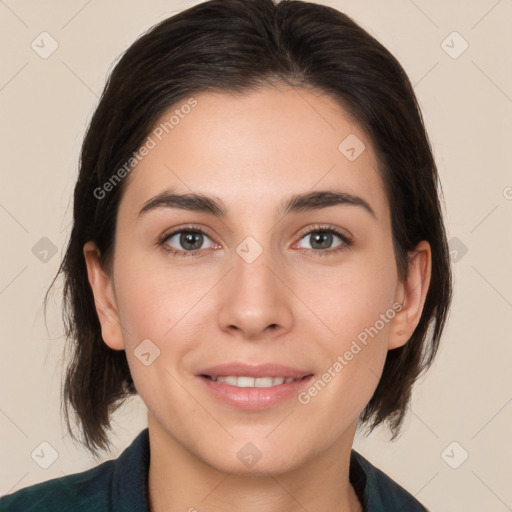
263, 145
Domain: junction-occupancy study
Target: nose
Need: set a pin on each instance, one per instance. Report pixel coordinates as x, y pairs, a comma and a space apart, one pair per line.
255, 301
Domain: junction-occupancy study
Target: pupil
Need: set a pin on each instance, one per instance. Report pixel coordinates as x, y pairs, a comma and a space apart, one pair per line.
322, 239
190, 238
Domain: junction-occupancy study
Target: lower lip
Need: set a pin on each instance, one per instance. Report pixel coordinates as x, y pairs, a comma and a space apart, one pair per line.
255, 399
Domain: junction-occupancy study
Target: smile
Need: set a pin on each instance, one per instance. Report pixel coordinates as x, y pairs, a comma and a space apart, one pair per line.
254, 393
251, 382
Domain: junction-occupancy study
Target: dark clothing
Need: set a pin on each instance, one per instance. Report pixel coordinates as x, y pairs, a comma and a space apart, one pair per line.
120, 485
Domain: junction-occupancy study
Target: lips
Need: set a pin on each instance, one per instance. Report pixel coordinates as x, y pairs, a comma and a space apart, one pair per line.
254, 387
261, 371
249, 393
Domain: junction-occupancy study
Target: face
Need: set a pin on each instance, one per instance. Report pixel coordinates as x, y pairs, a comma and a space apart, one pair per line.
240, 274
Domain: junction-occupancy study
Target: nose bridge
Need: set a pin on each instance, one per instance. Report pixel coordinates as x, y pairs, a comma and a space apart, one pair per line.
254, 299
253, 278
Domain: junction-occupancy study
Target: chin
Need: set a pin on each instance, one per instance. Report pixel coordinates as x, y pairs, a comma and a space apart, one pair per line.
257, 467
245, 458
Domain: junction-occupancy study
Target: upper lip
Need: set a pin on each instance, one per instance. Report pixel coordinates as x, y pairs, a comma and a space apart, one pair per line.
256, 371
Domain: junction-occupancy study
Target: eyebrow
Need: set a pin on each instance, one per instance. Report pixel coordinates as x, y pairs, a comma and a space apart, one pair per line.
298, 203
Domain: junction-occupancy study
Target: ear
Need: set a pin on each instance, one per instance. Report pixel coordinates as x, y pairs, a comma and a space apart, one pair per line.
104, 298
411, 294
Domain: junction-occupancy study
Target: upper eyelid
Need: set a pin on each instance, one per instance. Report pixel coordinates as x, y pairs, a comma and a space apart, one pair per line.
337, 231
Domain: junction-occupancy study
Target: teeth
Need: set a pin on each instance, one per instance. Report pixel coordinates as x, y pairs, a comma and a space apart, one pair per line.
251, 382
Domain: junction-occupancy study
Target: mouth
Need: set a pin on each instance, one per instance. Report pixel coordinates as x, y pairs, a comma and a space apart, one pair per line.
245, 381
254, 388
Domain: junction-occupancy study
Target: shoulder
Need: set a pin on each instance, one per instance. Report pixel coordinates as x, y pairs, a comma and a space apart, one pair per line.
88, 490
117, 484
378, 491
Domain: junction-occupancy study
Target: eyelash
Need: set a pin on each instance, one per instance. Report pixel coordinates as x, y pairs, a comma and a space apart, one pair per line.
346, 241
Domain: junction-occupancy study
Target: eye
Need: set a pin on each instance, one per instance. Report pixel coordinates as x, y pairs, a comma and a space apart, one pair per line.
322, 239
187, 241
319, 241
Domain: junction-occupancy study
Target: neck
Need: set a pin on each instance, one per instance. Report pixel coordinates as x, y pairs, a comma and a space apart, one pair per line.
179, 481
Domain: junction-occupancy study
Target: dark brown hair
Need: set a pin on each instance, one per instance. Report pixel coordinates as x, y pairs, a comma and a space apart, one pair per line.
239, 46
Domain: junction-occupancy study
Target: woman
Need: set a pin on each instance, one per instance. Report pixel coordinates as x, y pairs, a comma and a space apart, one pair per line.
258, 251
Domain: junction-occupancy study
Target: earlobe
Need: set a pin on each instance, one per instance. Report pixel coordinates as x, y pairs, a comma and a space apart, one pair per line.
411, 294
104, 298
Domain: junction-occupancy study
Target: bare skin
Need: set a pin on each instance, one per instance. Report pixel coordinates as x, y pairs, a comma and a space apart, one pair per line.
297, 304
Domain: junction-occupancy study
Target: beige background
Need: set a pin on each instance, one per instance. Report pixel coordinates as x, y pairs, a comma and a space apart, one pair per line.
45, 106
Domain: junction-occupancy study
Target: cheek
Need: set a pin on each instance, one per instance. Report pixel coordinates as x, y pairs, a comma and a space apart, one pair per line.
153, 298
156, 307
354, 297
359, 314
355, 303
